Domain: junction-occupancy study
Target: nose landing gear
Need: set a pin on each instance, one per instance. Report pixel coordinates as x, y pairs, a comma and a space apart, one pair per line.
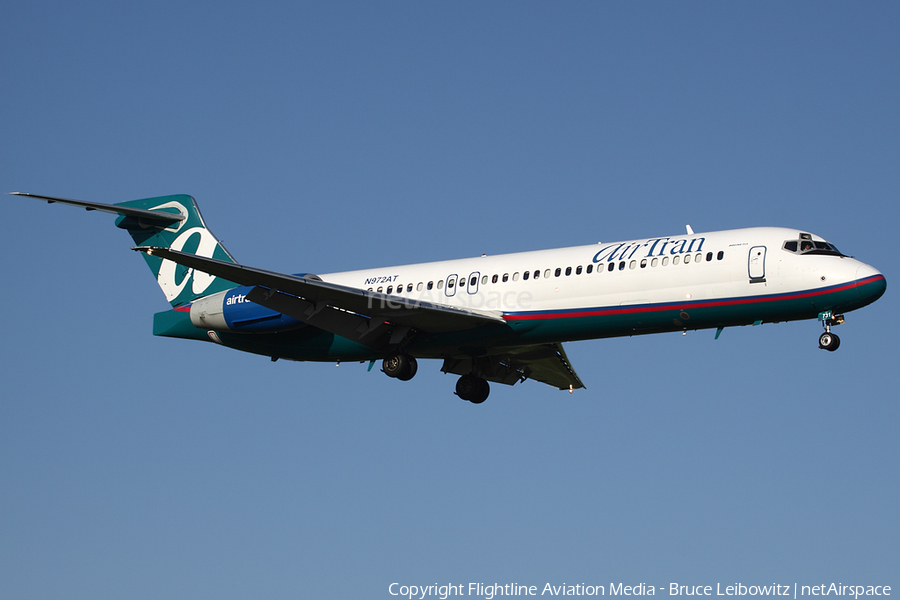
829, 341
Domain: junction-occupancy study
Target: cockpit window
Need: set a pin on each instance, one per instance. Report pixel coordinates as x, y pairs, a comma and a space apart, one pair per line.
808, 246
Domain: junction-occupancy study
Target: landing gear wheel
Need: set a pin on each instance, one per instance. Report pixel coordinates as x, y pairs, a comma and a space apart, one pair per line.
472, 388
400, 366
411, 370
829, 341
483, 392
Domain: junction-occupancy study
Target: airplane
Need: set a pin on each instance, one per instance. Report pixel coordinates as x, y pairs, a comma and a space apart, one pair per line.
498, 319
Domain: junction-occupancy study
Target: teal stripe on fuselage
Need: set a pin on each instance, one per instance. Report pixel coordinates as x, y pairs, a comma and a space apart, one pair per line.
600, 322
541, 327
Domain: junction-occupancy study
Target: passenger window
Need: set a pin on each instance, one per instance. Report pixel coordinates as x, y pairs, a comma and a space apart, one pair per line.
612, 267
390, 289
505, 277
516, 276
483, 279
494, 279
589, 269
687, 259
440, 284
409, 287
632, 264
558, 272
451, 282
676, 259
665, 260
698, 258
473, 281
537, 274
526, 275
568, 271
380, 289
430, 285
420, 286
622, 266
708, 256
643, 263
654, 262
546, 273
578, 270
720, 255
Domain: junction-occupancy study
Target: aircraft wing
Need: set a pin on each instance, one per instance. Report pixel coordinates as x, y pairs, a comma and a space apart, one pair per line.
353, 313
366, 317
546, 363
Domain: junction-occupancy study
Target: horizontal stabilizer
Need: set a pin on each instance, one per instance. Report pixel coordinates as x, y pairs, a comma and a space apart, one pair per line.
163, 218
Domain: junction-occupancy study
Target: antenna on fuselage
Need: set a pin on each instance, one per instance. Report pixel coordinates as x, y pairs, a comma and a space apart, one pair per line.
689, 230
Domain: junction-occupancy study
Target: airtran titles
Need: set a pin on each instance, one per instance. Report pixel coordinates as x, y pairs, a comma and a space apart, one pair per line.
655, 247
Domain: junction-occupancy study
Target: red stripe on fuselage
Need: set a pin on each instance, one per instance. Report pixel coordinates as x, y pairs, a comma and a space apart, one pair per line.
646, 308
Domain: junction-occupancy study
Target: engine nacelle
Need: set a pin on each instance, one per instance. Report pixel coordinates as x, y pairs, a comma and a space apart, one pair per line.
231, 311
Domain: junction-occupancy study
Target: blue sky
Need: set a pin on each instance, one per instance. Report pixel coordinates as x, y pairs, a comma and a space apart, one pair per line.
325, 137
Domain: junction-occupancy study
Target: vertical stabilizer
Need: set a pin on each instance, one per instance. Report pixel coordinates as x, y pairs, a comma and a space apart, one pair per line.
181, 285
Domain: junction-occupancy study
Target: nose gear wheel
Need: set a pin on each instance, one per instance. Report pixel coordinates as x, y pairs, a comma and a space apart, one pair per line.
829, 341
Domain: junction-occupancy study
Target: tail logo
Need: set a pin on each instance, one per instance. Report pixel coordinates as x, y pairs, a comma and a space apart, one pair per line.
181, 210
167, 277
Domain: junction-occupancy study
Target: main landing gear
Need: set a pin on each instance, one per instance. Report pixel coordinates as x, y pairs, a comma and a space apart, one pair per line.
829, 341
472, 388
400, 366
469, 387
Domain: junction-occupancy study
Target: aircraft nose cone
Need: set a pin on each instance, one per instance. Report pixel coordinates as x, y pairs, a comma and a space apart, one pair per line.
870, 284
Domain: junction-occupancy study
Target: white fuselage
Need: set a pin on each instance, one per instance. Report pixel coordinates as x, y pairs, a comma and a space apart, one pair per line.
701, 266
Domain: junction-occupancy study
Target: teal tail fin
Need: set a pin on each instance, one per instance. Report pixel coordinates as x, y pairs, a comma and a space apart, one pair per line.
167, 222
189, 233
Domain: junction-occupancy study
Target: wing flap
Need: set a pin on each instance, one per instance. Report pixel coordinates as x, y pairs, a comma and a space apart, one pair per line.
550, 365
346, 324
546, 363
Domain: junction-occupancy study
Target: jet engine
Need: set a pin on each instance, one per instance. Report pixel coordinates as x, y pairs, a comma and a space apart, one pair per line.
231, 311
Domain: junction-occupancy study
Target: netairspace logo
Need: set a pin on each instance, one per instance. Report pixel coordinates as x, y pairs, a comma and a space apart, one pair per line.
489, 591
